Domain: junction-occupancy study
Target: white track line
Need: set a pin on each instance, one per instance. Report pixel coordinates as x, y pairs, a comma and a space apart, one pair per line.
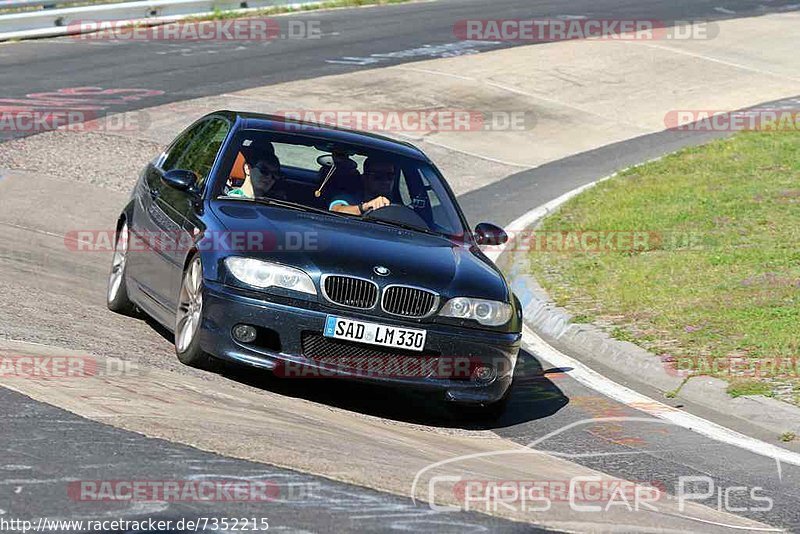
594, 380
712, 59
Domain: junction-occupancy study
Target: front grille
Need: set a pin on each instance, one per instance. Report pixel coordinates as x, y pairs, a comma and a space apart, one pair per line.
351, 292
370, 360
409, 301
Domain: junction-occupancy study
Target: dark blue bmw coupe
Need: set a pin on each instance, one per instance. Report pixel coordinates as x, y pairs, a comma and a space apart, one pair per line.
314, 251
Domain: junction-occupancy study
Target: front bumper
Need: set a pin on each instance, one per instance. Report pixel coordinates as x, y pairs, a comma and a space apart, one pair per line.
225, 307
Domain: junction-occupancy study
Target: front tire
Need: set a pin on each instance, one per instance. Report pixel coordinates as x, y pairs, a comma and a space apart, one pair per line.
117, 298
190, 317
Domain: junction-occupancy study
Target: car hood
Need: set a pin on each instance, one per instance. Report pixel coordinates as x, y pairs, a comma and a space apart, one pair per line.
323, 244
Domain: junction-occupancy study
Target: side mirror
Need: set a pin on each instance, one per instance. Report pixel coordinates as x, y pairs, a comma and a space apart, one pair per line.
490, 234
181, 179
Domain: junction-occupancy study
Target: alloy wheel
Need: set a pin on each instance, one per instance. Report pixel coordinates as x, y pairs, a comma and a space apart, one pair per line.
190, 306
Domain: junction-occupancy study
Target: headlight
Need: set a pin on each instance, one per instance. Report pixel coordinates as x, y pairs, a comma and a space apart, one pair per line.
265, 274
486, 312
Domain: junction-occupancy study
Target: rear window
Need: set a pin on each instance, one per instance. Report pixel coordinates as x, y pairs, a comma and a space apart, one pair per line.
305, 157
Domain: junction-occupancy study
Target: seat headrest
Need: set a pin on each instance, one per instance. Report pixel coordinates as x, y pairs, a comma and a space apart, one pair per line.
377, 165
237, 172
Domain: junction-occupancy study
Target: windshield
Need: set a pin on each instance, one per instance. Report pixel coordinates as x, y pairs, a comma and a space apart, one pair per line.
340, 178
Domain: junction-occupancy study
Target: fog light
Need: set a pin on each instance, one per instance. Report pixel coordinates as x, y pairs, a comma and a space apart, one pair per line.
484, 373
244, 333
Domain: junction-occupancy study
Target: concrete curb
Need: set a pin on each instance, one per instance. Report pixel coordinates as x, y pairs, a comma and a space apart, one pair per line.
591, 344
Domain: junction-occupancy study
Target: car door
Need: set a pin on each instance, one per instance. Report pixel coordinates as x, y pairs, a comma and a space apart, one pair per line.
159, 215
185, 209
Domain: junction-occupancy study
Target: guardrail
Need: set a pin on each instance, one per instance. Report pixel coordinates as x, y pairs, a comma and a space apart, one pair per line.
20, 4
64, 21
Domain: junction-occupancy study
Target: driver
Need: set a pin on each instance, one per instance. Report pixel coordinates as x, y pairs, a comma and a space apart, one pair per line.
378, 180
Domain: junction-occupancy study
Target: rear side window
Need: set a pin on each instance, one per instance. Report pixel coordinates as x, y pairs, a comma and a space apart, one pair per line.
305, 157
197, 148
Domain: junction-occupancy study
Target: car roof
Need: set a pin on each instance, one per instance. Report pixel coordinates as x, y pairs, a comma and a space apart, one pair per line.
323, 132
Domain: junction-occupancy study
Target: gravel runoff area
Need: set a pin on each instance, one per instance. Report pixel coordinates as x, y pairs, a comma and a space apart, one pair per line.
100, 159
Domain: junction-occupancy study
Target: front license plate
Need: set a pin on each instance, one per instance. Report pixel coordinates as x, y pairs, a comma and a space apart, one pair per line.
374, 334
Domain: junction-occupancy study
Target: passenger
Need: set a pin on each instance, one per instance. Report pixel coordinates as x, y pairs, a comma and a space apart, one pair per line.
263, 175
378, 182
261, 169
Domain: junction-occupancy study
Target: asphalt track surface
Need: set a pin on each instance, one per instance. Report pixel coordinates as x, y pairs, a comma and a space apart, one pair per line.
375, 36
89, 451
45, 444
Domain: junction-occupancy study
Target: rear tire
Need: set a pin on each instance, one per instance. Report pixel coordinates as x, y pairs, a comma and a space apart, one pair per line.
189, 317
117, 298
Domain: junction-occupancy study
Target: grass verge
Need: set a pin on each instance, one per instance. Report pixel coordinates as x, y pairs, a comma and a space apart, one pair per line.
715, 281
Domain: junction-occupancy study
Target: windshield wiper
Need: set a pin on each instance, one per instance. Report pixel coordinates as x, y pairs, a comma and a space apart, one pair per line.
294, 205
282, 204
406, 226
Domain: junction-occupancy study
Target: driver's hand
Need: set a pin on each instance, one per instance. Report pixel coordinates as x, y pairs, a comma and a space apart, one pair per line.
376, 203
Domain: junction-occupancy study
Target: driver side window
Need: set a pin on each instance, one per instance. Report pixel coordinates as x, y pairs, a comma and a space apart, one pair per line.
415, 192
197, 149
402, 189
